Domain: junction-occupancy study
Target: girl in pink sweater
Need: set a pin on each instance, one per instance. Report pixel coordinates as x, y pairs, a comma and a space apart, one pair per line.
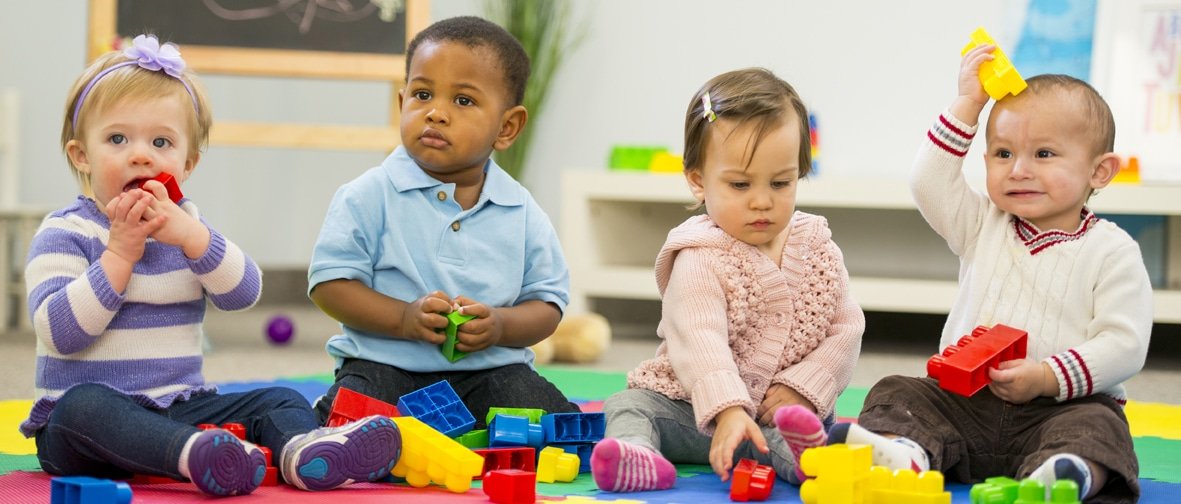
760, 332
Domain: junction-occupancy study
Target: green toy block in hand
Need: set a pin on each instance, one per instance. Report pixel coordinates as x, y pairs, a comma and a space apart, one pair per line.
454, 320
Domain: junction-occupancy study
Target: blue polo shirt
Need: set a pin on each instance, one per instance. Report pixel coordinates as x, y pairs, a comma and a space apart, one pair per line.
400, 232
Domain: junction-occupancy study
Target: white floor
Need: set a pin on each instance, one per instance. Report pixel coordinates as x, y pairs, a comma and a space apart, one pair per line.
239, 351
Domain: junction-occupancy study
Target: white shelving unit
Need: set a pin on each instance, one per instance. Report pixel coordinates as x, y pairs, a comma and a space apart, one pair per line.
613, 224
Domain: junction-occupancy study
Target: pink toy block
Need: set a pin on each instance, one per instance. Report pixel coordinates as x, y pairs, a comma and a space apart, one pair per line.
523, 459
751, 481
350, 405
510, 486
962, 368
170, 184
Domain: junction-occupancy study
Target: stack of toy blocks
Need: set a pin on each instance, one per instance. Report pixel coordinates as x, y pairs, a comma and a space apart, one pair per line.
838, 474
962, 368
1001, 490
350, 406
87, 490
904, 486
751, 481
438, 406
510, 486
429, 456
575, 433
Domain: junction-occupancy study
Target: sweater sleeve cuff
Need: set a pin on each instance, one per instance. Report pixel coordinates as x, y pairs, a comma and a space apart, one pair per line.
213, 255
1074, 377
715, 392
951, 135
814, 383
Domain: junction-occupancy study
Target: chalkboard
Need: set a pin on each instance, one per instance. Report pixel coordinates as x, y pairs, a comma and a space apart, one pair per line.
352, 39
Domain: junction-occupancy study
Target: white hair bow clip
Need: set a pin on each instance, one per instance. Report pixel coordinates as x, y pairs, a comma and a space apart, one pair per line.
709, 114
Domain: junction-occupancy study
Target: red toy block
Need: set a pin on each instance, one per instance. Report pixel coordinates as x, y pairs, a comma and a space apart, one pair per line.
170, 184
963, 367
350, 405
751, 481
511, 486
523, 459
272, 475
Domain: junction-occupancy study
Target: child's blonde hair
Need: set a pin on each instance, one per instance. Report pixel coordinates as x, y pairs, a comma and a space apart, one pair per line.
751, 94
132, 82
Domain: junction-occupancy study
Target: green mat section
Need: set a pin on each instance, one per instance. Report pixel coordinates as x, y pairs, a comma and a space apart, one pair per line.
1160, 459
582, 384
9, 463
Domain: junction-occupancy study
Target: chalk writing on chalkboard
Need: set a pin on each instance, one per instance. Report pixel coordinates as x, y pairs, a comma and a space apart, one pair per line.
357, 26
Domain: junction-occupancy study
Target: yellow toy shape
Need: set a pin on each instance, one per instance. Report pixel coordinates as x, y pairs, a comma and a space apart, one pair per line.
428, 455
904, 486
998, 76
839, 474
554, 464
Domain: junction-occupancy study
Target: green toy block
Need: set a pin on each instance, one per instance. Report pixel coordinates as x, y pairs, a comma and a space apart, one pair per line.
997, 490
533, 414
454, 320
1002, 490
632, 157
474, 439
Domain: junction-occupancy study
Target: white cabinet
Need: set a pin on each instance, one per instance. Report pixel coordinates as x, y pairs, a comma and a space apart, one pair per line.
614, 222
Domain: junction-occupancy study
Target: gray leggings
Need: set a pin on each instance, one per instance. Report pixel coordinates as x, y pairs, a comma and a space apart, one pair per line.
668, 426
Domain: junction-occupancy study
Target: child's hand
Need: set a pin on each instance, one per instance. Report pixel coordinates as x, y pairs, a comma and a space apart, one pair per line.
779, 395
969, 81
481, 332
733, 427
181, 229
1020, 380
131, 224
421, 320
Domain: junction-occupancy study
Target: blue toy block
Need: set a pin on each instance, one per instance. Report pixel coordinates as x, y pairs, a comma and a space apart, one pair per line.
87, 490
509, 430
573, 427
438, 406
583, 450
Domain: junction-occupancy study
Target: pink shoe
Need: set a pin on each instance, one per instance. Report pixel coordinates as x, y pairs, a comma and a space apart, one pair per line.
619, 466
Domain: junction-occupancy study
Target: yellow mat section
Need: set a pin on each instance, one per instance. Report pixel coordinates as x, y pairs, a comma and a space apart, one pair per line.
12, 442
1154, 419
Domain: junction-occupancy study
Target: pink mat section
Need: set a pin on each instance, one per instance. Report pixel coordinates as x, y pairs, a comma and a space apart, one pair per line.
22, 486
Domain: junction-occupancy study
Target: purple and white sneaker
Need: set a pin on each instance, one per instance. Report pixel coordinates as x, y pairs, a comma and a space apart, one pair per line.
331, 457
220, 464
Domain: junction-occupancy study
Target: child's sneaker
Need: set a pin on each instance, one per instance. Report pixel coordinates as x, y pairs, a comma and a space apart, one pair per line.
331, 457
220, 464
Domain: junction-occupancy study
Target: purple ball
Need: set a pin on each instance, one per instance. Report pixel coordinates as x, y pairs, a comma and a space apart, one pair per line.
280, 330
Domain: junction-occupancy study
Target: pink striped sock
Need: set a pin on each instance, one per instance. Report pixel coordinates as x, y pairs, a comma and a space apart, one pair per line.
802, 430
619, 466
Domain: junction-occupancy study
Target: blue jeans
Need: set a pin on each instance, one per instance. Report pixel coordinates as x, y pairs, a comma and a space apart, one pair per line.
96, 431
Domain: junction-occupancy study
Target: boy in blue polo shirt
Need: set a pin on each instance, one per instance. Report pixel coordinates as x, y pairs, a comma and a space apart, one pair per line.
439, 227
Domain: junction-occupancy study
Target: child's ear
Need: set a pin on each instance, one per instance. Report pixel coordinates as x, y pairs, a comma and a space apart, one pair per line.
696, 185
190, 165
401, 96
512, 123
1105, 169
77, 154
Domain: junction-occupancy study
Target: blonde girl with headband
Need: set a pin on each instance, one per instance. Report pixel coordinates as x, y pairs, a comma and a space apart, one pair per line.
117, 286
759, 331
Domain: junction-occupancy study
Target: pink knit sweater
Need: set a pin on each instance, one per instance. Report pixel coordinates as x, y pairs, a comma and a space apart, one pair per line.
734, 323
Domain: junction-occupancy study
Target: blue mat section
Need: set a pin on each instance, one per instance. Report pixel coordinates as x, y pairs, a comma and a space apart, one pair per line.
309, 389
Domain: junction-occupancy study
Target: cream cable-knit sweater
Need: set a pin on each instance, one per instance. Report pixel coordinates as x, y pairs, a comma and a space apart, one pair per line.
734, 323
1084, 297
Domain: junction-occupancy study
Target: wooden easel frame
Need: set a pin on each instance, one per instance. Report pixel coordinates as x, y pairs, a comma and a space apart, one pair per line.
286, 63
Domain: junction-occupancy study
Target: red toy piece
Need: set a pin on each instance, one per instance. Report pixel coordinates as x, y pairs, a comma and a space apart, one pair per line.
510, 486
523, 459
170, 184
751, 481
350, 405
963, 367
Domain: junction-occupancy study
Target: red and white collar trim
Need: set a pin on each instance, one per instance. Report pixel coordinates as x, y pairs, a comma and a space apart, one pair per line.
1037, 241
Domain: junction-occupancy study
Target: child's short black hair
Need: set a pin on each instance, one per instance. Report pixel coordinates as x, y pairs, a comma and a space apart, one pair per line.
474, 32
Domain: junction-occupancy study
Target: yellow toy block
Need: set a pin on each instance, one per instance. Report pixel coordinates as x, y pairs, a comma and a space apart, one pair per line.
666, 162
1129, 172
429, 456
839, 474
998, 76
555, 464
905, 487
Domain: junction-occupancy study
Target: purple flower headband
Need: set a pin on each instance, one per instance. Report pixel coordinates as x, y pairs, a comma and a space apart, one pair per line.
146, 52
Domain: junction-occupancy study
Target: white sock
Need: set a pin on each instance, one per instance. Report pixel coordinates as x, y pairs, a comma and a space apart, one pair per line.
1065, 466
183, 465
894, 453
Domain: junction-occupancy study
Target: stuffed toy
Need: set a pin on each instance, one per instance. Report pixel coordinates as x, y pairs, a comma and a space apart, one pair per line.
578, 339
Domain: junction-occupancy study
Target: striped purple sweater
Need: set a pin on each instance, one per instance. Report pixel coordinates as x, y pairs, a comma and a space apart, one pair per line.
146, 342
